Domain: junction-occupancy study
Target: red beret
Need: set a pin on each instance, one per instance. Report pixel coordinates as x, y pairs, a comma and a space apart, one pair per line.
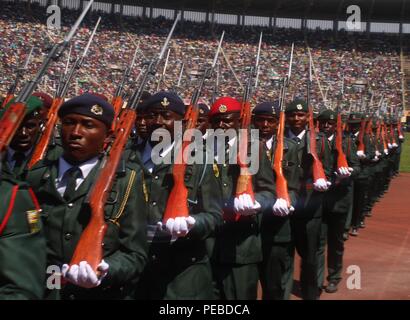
225, 105
47, 100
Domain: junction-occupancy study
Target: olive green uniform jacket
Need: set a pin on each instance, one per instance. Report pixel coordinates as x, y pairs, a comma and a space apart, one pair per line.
22, 244
125, 239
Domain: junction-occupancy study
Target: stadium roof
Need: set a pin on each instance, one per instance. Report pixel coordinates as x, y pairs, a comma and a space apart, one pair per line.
371, 10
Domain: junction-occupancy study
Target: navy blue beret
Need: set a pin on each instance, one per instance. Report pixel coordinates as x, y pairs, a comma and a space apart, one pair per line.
268, 108
89, 105
203, 108
166, 100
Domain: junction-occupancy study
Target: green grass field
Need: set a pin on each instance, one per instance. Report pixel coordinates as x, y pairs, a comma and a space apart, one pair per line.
405, 154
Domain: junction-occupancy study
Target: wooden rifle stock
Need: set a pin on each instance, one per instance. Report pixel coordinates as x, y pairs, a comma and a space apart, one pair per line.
399, 129
384, 138
392, 137
89, 247
177, 205
117, 102
317, 166
10, 122
6, 100
341, 156
40, 150
281, 183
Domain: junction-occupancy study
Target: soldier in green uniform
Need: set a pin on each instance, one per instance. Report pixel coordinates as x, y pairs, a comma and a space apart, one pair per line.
237, 251
307, 218
178, 265
62, 183
276, 272
21, 147
337, 204
22, 242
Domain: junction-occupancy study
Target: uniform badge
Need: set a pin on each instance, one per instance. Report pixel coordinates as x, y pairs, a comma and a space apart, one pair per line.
299, 107
223, 108
201, 111
216, 170
97, 110
165, 102
332, 117
33, 220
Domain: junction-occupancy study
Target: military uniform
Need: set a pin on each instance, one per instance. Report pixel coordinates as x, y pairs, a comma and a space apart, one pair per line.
22, 243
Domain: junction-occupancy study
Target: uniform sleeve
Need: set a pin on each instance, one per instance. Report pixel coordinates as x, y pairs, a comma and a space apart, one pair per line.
264, 188
208, 211
353, 159
127, 262
292, 174
22, 254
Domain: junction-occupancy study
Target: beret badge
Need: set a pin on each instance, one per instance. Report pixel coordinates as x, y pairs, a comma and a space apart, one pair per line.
97, 110
222, 108
299, 107
165, 102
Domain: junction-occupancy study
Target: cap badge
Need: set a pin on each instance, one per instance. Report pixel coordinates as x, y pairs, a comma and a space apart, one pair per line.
201, 111
165, 102
332, 117
223, 108
97, 110
299, 107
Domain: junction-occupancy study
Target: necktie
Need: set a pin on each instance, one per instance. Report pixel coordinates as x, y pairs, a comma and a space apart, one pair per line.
71, 177
18, 158
296, 139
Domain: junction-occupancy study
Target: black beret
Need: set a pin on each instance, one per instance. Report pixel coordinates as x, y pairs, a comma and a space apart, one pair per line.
203, 108
297, 105
89, 105
166, 100
355, 117
268, 108
327, 115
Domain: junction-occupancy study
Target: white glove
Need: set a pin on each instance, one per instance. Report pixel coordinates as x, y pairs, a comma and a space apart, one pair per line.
178, 227
386, 151
361, 154
375, 159
390, 145
83, 275
378, 154
281, 209
343, 172
244, 205
395, 145
401, 137
321, 185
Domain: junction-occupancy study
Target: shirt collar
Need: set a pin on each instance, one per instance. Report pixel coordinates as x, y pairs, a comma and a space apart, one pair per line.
269, 143
85, 167
331, 137
11, 152
300, 135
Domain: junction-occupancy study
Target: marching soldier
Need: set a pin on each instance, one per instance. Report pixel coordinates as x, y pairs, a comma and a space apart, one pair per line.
276, 273
237, 251
24, 140
178, 265
307, 218
338, 201
62, 183
22, 242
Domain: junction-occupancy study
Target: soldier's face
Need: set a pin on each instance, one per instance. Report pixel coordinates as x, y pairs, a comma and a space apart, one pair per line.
163, 118
226, 121
202, 123
297, 120
354, 127
27, 134
328, 127
266, 124
143, 124
82, 137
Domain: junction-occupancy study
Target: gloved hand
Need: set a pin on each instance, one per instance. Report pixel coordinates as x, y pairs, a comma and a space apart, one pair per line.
378, 154
244, 205
83, 275
178, 227
395, 145
281, 209
375, 159
343, 172
321, 185
360, 154
386, 151
390, 145
401, 138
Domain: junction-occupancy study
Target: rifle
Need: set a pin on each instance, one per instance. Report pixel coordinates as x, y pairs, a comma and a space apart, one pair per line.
216, 86
14, 115
317, 166
13, 87
244, 183
41, 148
177, 204
89, 247
163, 71
341, 156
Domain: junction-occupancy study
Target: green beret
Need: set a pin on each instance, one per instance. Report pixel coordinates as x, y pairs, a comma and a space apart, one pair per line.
297, 105
33, 105
327, 115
